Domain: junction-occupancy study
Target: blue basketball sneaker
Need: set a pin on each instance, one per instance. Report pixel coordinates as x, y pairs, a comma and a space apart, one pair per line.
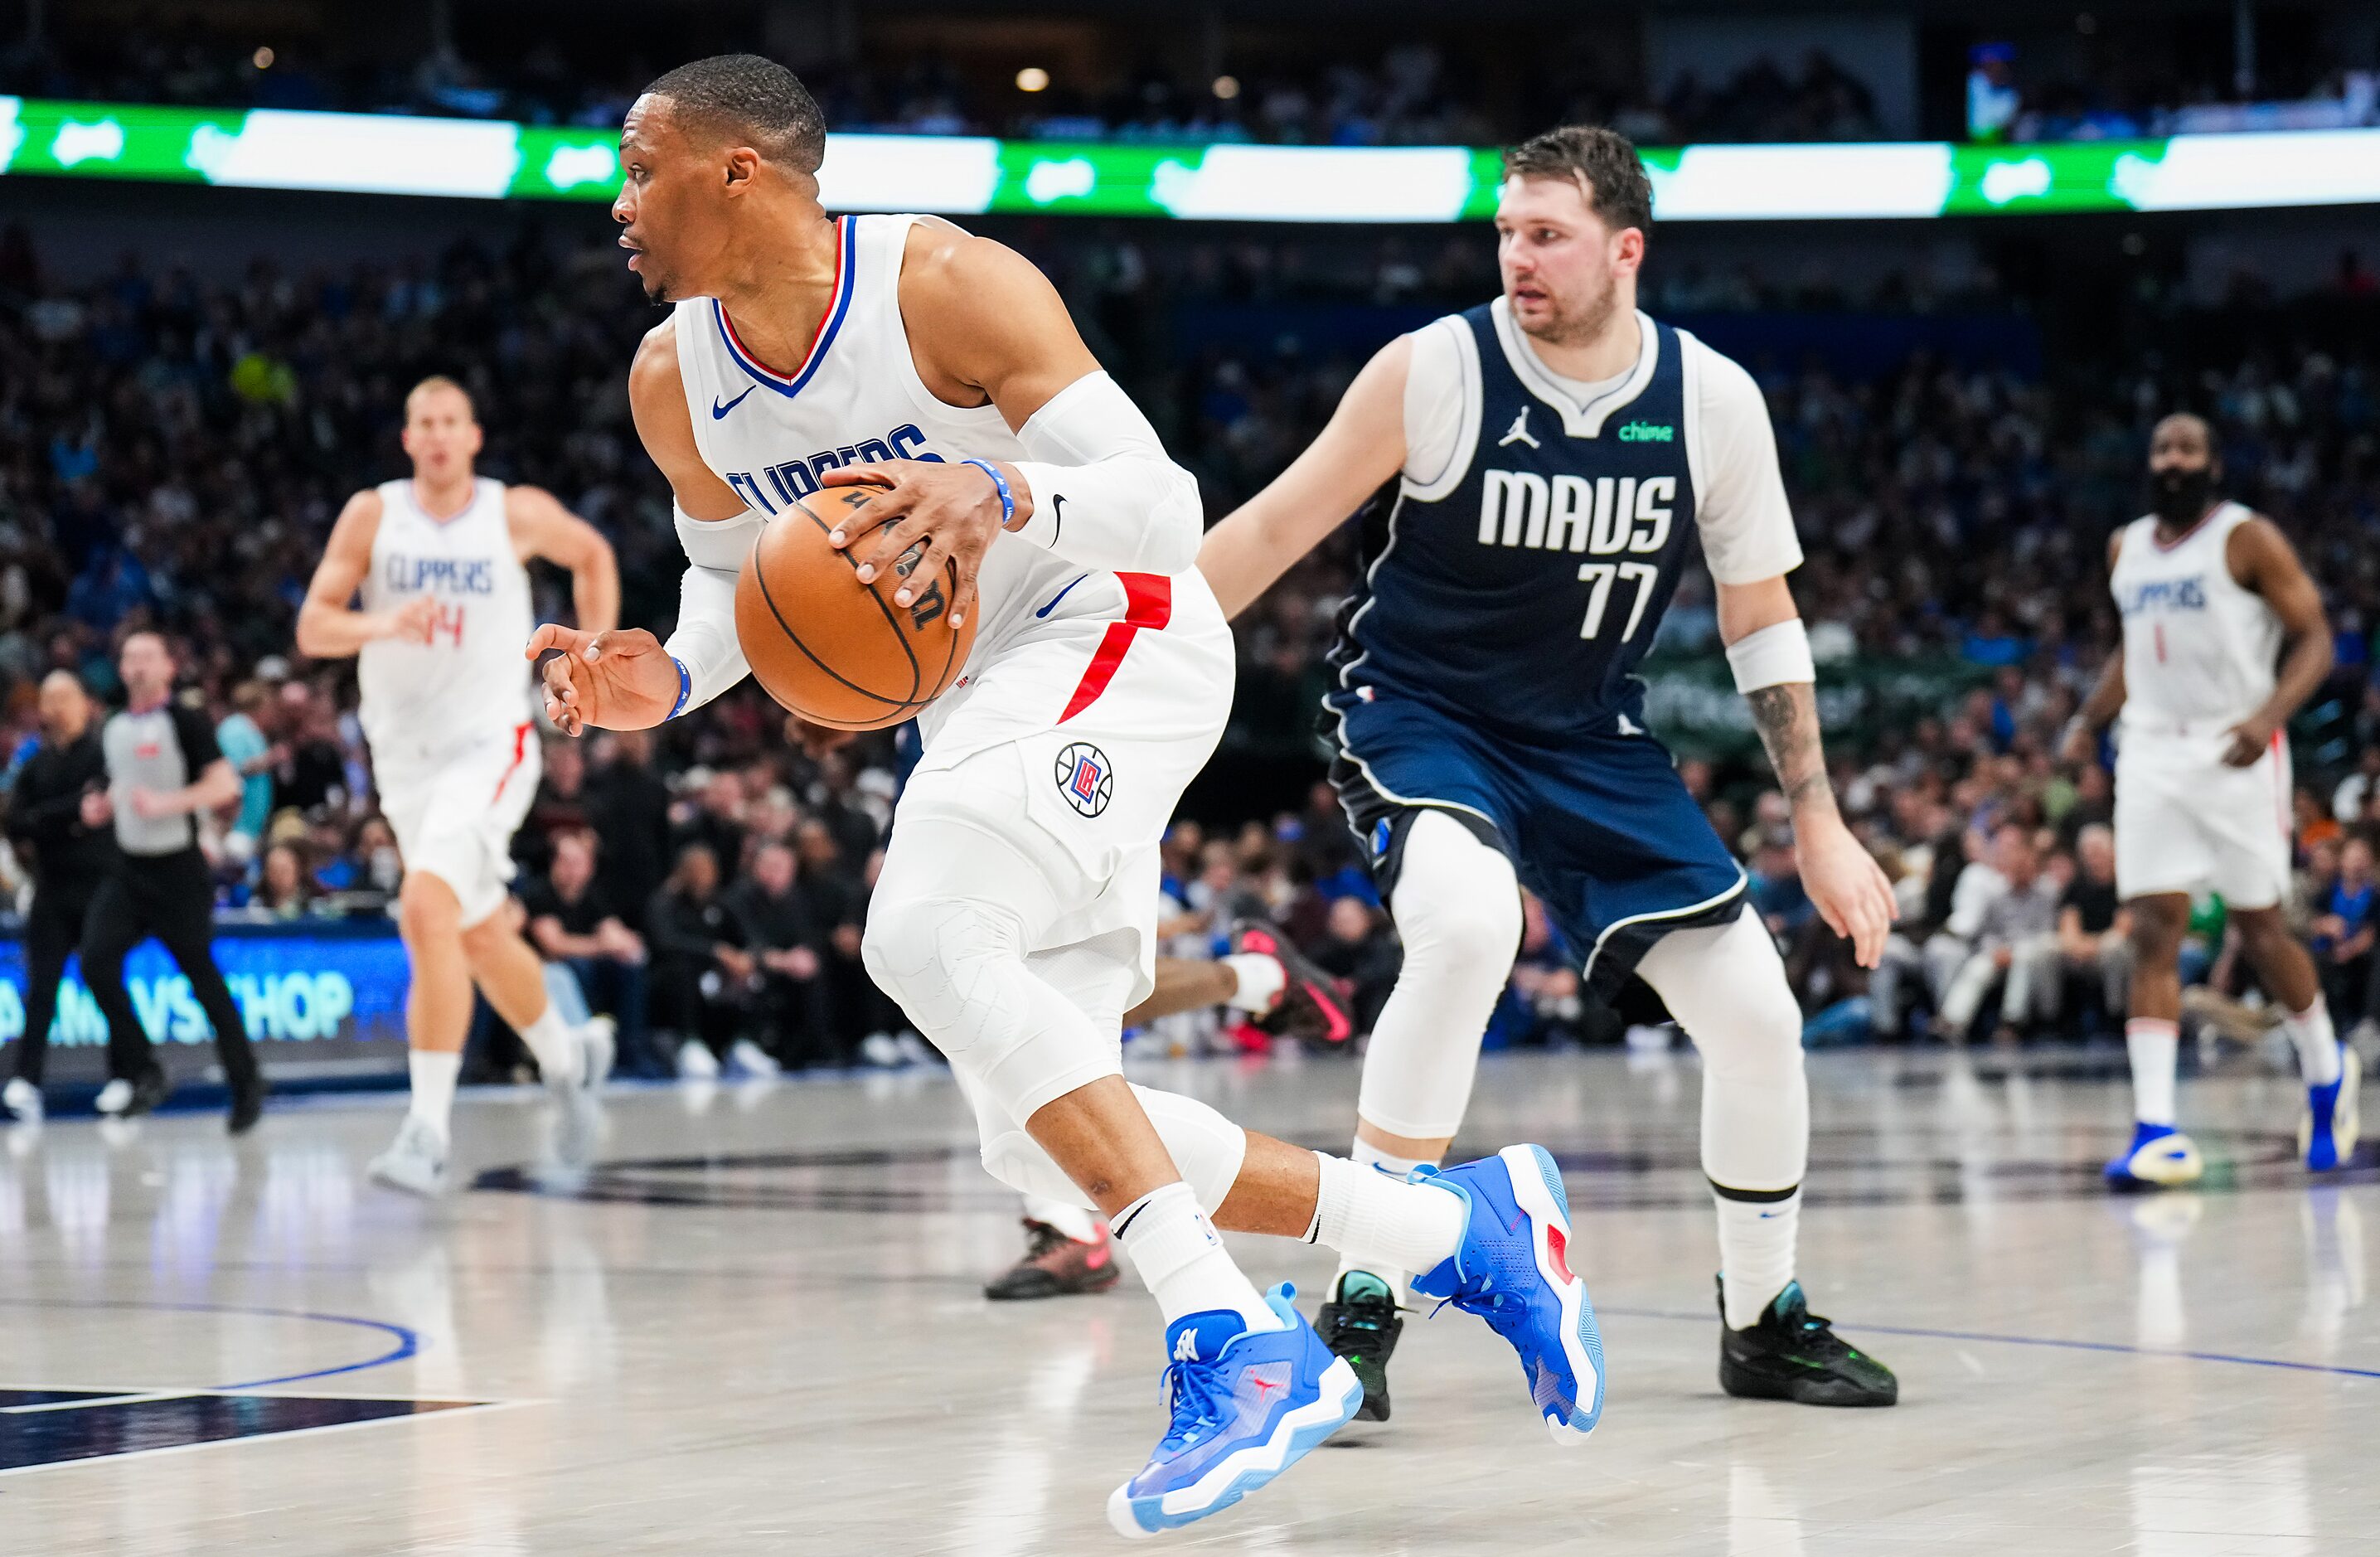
2159, 1158
1512, 1269
2327, 1130
1247, 1403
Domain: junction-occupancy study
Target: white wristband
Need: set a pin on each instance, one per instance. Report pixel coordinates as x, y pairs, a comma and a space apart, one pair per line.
1773, 656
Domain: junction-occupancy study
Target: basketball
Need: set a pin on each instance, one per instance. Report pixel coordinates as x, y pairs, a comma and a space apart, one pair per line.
834, 650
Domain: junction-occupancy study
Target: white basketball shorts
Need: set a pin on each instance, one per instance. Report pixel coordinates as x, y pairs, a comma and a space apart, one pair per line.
455, 811
1075, 741
2187, 822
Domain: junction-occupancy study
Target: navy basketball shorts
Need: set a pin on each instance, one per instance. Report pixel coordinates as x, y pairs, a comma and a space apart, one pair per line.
1599, 828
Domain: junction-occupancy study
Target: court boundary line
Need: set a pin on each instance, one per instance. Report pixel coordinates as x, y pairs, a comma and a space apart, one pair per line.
408, 1342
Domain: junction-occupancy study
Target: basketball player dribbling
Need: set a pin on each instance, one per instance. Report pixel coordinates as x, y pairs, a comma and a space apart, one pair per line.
445, 709
1016, 914
2224, 639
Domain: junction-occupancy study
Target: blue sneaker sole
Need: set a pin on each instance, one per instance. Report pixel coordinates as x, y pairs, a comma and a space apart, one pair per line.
1537, 1189
1298, 1433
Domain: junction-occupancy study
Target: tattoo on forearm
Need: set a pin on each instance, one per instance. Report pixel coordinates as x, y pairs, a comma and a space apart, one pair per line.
1786, 718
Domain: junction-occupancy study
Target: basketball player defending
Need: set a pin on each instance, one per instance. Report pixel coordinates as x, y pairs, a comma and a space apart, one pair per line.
1558, 454
438, 560
2224, 639
1015, 915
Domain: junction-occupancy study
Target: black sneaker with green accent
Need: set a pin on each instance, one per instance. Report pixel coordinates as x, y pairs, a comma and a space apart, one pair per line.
1795, 1354
1360, 1323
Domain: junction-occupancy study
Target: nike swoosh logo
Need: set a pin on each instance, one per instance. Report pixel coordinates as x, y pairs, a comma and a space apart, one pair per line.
1057, 517
718, 410
1062, 594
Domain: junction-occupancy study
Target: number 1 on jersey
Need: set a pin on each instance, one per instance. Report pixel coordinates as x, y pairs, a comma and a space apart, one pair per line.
1600, 575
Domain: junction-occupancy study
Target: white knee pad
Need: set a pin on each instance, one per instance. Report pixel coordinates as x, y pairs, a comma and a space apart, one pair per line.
1458, 912
1206, 1149
1725, 986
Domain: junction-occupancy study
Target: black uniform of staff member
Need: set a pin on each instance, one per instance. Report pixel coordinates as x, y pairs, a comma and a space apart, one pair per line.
70, 861
163, 768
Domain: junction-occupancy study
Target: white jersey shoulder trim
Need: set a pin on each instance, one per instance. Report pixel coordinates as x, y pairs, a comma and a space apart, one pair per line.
1578, 421
1441, 408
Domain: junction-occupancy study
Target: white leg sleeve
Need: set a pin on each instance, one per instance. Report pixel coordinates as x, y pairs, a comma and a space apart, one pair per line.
948, 928
1458, 912
1725, 986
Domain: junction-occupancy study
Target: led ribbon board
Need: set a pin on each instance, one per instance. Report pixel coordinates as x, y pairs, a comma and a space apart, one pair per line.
385, 153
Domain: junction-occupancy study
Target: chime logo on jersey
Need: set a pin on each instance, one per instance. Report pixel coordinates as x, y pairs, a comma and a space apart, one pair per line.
1085, 778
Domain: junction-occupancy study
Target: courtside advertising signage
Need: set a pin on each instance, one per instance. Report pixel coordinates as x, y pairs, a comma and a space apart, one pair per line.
487, 159
327, 995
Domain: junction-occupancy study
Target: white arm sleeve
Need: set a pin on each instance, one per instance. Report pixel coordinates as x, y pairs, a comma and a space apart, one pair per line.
705, 641
1747, 526
1105, 494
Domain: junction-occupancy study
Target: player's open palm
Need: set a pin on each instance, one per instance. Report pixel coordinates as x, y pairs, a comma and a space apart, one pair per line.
618, 680
1846, 887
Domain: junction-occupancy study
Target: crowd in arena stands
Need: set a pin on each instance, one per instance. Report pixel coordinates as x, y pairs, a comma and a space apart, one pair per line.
1408, 95
173, 452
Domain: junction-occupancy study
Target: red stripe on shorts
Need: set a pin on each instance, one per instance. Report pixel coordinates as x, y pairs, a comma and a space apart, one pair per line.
520, 751
1148, 603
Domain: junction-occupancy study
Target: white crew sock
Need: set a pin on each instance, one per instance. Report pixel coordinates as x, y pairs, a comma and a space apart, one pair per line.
1261, 978
1380, 1223
1181, 1260
1071, 1220
1756, 1253
2310, 1030
554, 1044
1389, 1165
2152, 1041
433, 1074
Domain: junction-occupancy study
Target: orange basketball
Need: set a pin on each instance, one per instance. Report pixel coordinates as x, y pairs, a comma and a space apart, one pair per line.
834, 650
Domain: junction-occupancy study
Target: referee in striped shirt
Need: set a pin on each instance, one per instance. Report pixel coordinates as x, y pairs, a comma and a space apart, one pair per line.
163, 768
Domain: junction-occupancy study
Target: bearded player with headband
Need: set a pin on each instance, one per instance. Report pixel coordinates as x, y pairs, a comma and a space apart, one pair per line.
1014, 918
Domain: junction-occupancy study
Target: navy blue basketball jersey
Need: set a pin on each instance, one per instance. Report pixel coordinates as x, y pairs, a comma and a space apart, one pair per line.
1524, 597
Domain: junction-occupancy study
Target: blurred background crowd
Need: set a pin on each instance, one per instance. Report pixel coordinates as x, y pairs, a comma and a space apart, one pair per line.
1200, 74
173, 449
1960, 414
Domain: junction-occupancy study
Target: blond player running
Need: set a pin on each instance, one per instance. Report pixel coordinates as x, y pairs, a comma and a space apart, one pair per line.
438, 562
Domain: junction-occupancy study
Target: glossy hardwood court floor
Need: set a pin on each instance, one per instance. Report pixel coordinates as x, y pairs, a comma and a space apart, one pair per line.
757, 1330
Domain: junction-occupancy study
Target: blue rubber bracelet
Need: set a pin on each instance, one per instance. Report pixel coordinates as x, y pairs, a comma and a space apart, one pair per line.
684, 688
1000, 483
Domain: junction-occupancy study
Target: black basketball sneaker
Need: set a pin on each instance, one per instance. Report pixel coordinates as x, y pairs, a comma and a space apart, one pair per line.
1055, 1266
1360, 1323
1795, 1354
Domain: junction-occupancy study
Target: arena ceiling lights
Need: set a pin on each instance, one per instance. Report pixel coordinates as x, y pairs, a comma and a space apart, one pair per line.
960, 175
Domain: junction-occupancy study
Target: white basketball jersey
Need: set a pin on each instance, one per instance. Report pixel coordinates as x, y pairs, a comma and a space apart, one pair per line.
2200, 650
470, 680
855, 397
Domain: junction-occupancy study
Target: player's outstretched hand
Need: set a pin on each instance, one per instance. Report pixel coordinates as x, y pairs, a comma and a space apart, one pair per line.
954, 509
618, 680
1846, 885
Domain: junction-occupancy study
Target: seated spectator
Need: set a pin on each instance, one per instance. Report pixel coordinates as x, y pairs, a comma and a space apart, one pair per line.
791, 1004
2024, 907
701, 974
2093, 940
2343, 934
1356, 946
572, 921
283, 889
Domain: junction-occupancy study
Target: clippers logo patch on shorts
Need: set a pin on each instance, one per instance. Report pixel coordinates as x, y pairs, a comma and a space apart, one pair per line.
1085, 778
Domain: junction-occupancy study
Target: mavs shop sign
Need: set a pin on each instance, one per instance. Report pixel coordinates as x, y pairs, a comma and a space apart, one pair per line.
329, 991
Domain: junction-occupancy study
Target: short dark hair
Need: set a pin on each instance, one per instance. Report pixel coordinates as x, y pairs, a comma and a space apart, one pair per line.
1604, 161
747, 96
